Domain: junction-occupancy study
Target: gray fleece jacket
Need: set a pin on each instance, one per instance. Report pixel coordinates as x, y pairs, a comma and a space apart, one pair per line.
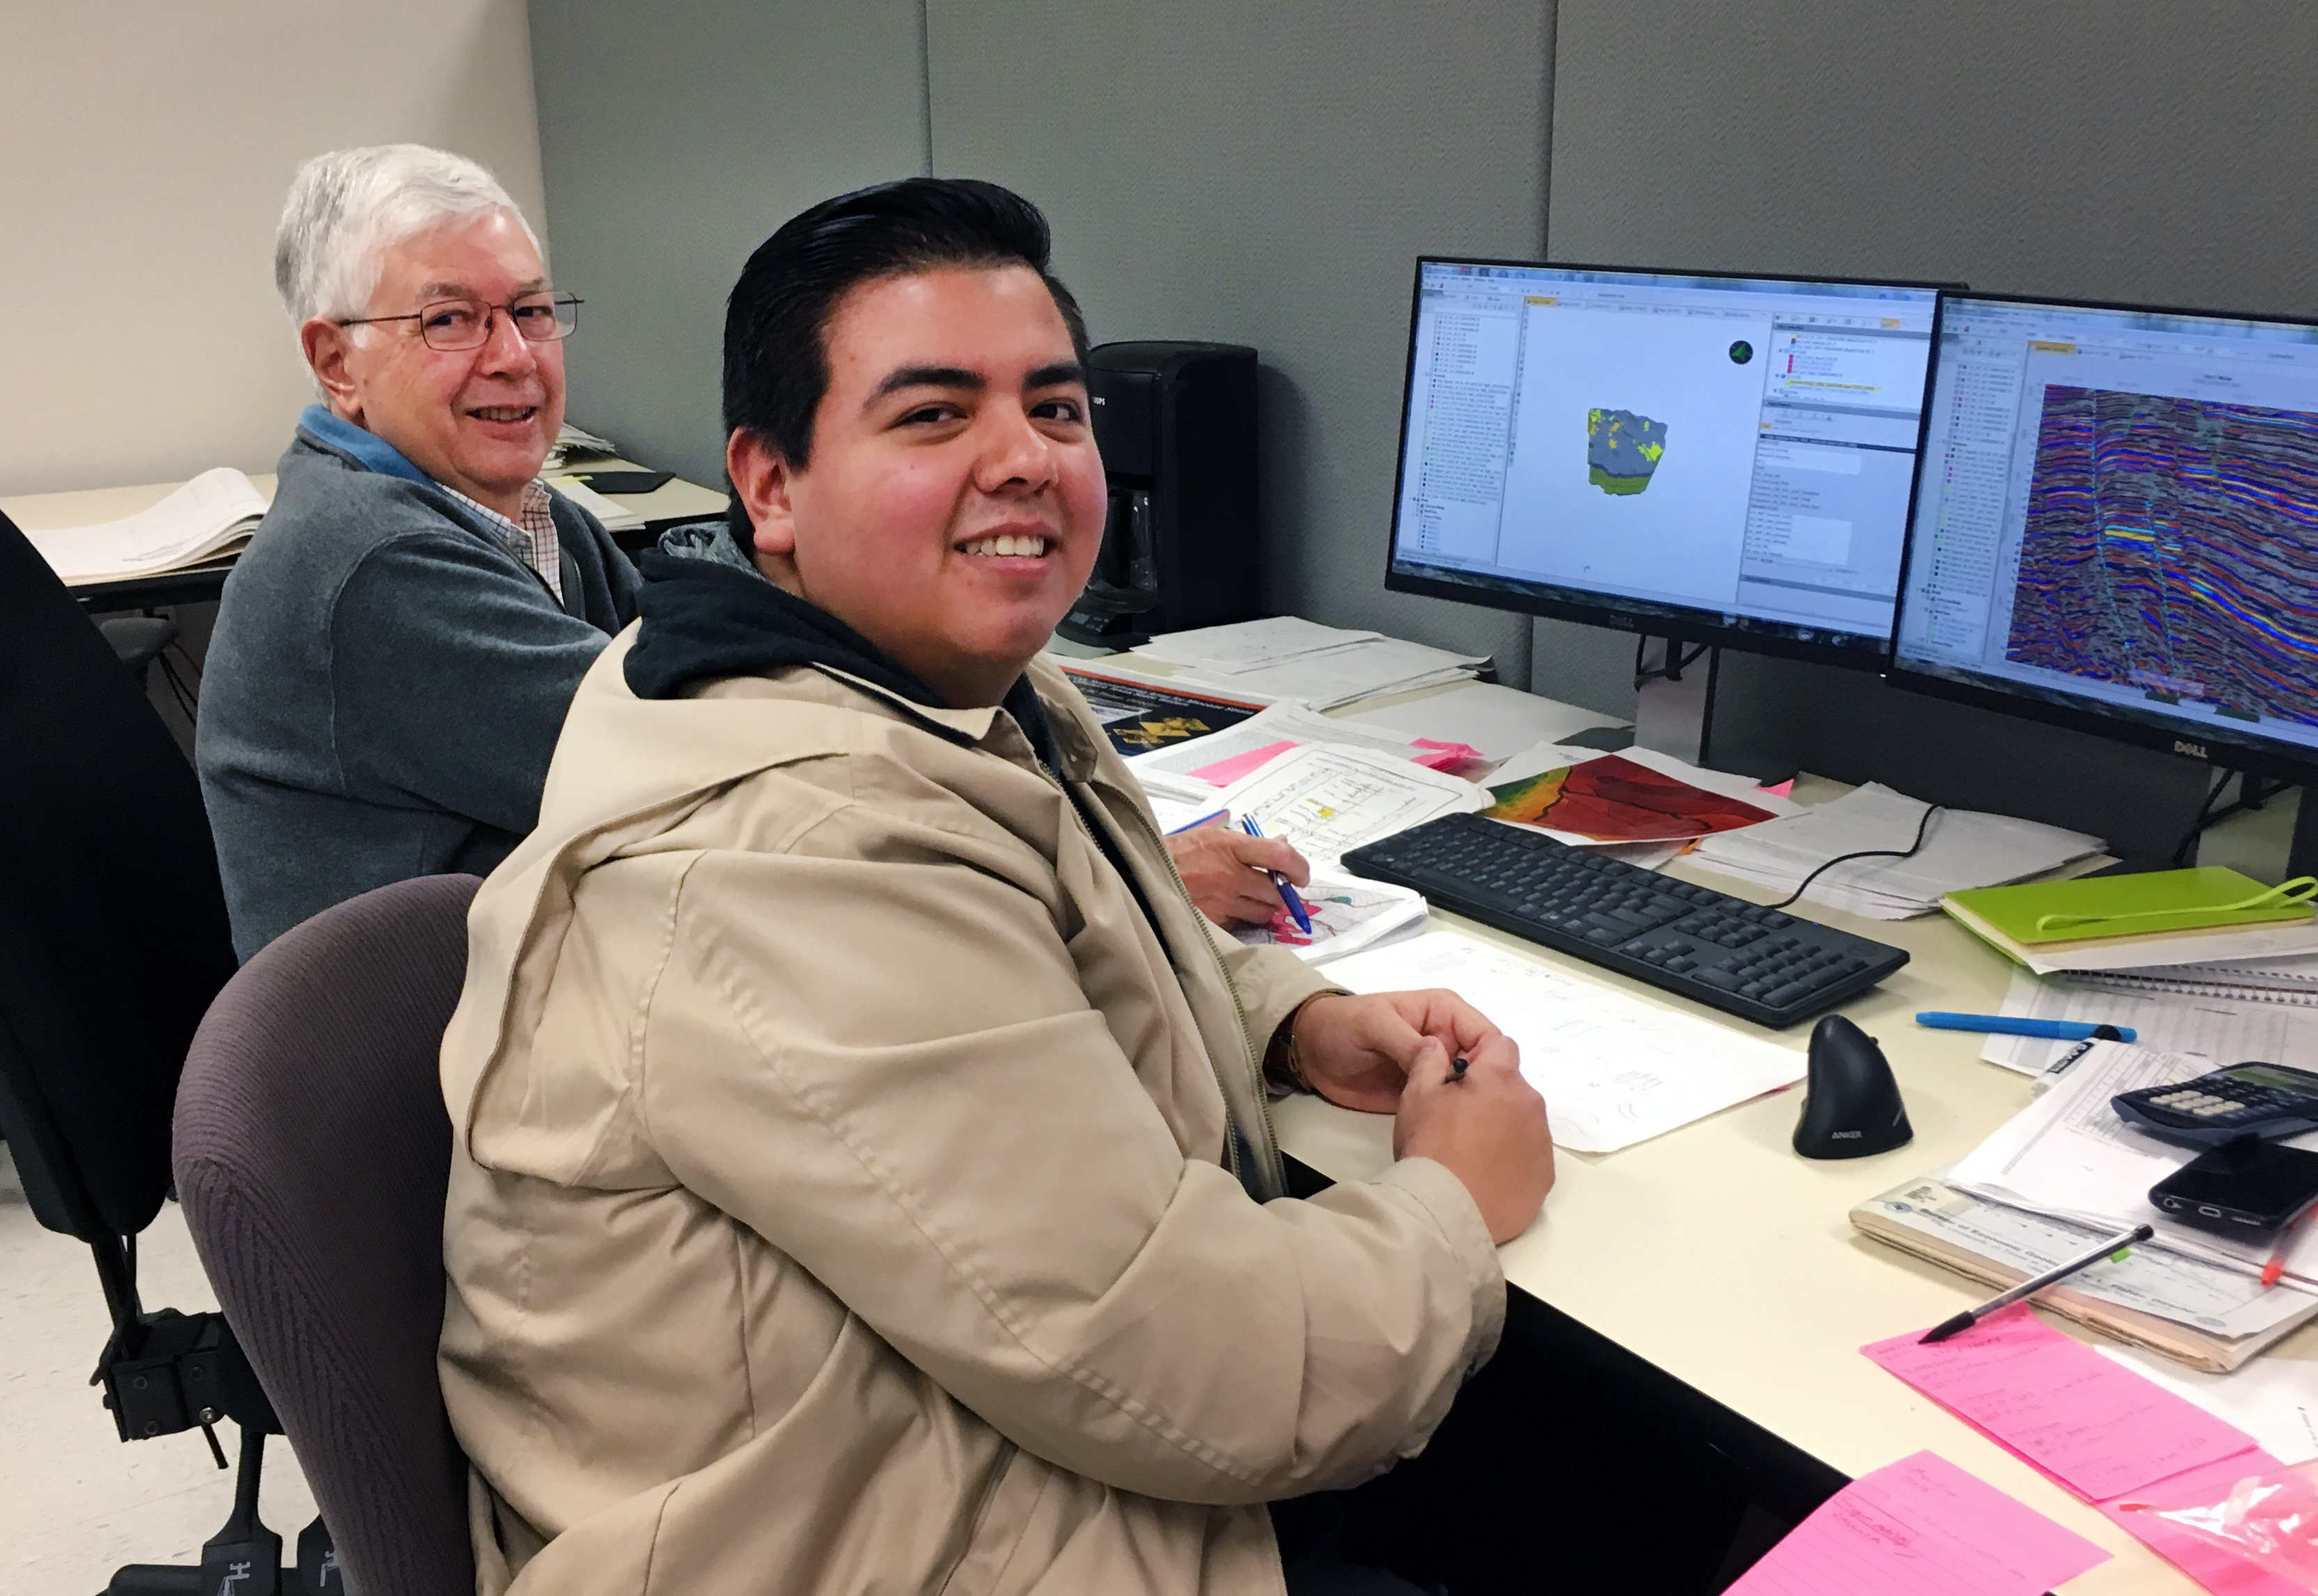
386, 682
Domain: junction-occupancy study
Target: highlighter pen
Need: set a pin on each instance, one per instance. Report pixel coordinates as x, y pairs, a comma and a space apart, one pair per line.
2005, 1025
1287, 892
2005, 1299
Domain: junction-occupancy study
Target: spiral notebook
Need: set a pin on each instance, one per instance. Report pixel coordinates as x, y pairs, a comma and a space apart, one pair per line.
2268, 981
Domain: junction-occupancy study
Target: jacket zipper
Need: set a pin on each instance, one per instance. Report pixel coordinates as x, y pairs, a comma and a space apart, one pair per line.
1268, 1149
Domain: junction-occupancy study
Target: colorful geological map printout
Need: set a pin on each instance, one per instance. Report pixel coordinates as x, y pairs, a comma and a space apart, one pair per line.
1615, 800
2171, 546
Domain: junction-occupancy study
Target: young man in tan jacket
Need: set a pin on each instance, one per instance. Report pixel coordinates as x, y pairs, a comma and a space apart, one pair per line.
863, 1175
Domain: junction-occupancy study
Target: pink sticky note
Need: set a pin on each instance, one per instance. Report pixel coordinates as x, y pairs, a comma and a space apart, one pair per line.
2217, 1568
2097, 1427
1920, 1527
1224, 772
1441, 756
1786, 789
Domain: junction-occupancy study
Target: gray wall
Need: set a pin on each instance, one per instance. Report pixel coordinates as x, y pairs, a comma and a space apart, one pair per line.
1256, 173
1267, 174
674, 137
2137, 149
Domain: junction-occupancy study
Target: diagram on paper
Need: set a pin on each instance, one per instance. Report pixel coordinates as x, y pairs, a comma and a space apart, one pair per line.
1622, 450
2171, 546
1347, 914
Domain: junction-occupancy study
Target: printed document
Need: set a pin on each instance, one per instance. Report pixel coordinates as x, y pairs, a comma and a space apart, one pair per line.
1329, 800
1613, 1069
1347, 915
1920, 1527
215, 512
1170, 769
2069, 1154
2216, 1031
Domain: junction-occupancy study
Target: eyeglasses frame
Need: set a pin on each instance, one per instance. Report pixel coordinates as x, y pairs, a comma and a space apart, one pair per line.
490, 318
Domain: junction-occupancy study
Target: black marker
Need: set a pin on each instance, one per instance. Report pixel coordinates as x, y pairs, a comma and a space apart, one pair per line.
1457, 1068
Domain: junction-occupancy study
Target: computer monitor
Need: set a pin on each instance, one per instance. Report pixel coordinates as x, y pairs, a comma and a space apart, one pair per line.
2118, 527
1718, 459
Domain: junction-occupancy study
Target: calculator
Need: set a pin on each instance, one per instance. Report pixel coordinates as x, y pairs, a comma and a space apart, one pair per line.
2250, 1100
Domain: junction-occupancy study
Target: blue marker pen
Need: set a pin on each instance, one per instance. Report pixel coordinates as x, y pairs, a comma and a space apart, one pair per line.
1287, 892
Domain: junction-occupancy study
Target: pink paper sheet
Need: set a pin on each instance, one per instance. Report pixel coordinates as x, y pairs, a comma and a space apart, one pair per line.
2095, 1426
1442, 756
1224, 772
2218, 1569
1920, 1527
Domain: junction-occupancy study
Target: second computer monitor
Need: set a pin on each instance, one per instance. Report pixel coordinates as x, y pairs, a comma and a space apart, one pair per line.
2118, 527
1720, 459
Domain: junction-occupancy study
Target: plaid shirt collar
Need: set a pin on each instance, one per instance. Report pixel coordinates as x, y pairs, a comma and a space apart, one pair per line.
531, 538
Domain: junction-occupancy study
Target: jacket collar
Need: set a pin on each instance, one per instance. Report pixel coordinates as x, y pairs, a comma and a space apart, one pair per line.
365, 449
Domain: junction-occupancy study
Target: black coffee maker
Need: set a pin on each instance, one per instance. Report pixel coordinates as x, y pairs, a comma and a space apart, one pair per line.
1176, 425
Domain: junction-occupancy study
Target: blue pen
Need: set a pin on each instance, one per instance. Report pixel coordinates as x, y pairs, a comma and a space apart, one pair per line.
2052, 1030
1287, 892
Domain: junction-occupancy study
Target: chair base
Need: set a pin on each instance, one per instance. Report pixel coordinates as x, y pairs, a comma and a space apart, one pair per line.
243, 1559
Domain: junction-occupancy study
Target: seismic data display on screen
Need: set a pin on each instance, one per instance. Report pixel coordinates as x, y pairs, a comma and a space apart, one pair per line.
1736, 453
2120, 513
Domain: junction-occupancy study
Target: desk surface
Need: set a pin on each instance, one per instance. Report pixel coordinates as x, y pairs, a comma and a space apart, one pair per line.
674, 501
1721, 1257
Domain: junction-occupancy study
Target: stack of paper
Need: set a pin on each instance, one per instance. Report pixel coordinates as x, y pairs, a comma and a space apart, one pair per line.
1613, 1068
1920, 1527
1193, 772
1347, 914
616, 518
1328, 800
574, 443
2221, 955
1288, 656
2218, 1030
2206, 1315
2068, 1154
1500, 721
2290, 978
212, 514
1961, 848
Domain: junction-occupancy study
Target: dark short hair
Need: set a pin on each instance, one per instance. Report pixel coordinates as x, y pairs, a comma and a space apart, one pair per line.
776, 323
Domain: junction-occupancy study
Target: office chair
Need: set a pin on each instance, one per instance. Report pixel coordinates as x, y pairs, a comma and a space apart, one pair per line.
112, 941
313, 1155
137, 641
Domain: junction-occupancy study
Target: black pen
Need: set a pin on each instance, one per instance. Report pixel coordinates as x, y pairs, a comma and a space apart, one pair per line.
1457, 1068
2005, 1299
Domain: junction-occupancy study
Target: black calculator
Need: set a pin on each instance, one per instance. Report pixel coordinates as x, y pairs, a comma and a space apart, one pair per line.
2250, 1100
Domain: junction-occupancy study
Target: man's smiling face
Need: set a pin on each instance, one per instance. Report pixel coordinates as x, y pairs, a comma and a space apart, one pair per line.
479, 420
952, 504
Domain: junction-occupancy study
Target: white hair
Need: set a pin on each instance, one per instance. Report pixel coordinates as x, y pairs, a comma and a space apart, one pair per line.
349, 208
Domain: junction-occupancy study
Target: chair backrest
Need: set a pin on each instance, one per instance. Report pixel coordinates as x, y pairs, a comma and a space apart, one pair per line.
112, 927
313, 1156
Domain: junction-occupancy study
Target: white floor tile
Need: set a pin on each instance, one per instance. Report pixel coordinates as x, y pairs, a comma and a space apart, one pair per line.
75, 1502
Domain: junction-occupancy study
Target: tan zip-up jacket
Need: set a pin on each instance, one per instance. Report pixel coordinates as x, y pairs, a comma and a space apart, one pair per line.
841, 1197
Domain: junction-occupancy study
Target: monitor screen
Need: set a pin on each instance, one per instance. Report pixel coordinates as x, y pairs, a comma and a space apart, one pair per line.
1718, 458
2117, 526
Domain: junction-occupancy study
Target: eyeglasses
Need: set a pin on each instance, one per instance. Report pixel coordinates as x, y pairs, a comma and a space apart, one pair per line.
467, 324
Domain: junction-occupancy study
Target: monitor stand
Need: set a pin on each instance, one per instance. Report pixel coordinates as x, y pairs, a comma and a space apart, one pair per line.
1674, 707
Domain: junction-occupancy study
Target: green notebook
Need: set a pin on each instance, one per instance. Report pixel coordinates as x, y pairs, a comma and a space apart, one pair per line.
2040, 913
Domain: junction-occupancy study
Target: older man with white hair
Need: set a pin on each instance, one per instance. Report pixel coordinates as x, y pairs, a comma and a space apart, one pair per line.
396, 650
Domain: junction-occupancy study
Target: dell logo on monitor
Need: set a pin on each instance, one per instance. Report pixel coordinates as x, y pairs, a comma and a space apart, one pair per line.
2196, 750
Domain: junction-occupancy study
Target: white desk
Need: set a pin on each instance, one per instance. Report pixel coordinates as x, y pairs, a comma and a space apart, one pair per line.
1725, 1259
674, 501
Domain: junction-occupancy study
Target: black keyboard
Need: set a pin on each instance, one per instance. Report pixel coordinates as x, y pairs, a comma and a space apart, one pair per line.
1721, 951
